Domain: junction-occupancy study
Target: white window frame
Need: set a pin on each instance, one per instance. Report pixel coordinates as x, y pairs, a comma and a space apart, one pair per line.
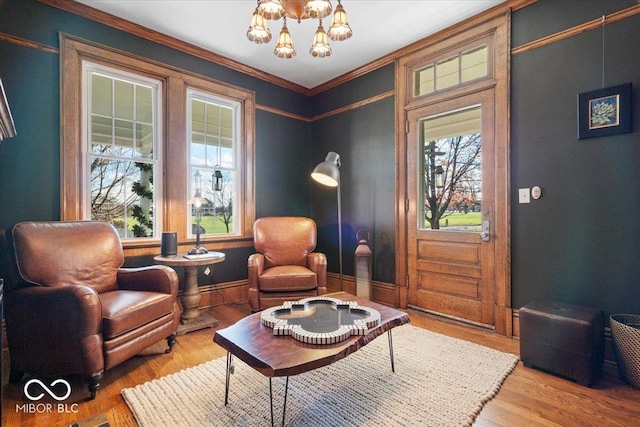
157, 89
237, 201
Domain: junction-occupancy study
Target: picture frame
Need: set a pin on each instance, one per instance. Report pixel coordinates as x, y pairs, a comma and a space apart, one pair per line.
604, 112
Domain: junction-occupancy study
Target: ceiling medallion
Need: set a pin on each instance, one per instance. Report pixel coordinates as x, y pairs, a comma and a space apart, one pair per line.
298, 9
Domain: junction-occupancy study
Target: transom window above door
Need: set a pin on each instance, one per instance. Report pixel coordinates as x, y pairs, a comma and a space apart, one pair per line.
452, 71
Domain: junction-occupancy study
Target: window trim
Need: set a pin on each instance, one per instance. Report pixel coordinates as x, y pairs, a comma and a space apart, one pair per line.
175, 81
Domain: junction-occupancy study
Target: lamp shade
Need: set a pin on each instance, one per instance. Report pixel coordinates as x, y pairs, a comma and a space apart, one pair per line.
320, 47
340, 29
327, 172
284, 48
258, 29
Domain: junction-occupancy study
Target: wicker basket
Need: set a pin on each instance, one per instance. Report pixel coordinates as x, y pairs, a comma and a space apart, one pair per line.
625, 329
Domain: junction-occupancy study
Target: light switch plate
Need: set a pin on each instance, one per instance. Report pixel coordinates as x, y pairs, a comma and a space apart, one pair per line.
524, 195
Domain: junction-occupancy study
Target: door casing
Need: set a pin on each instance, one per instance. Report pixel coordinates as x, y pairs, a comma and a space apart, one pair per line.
495, 28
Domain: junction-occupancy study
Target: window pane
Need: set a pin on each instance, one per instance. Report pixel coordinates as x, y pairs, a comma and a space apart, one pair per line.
101, 132
123, 99
124, 136
217, 213
144, 140
212, 125
424, 81
227, 155
226, 123
451, 180
447, 73
198, 149
197, 116
474, 64
213, 149
144, 104
101, 95
122, 193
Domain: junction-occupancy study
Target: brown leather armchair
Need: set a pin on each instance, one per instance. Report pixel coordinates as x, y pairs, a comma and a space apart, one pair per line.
71, 308
285, 267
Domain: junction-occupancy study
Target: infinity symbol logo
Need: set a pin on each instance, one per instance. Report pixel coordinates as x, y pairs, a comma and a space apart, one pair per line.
51, 393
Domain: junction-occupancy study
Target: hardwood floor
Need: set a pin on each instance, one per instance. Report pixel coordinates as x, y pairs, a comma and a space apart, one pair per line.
527, 398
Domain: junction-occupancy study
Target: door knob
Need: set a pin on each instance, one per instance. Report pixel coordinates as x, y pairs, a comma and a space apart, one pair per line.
484, 234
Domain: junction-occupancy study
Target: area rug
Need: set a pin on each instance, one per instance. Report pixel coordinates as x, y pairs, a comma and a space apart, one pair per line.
438, 381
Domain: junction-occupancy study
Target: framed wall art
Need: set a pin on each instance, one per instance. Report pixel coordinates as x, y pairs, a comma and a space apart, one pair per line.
604, 112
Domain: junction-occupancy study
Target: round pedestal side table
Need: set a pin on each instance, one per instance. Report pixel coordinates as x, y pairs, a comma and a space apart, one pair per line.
191, 319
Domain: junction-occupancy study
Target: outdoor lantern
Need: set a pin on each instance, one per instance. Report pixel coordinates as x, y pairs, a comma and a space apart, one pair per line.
217, 185
439, 172
363, 265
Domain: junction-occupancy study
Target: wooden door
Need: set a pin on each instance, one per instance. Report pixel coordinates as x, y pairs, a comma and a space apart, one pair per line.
451, 212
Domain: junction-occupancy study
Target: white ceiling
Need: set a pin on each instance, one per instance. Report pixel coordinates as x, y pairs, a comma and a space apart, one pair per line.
379, 28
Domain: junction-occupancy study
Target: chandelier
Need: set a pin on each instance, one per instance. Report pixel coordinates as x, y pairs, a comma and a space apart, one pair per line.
298, 9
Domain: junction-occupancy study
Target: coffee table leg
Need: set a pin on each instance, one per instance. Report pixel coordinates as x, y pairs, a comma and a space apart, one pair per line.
228, 378
393, 368
284, 406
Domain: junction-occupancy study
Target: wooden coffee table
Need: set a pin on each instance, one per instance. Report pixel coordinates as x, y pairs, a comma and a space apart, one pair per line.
283, 356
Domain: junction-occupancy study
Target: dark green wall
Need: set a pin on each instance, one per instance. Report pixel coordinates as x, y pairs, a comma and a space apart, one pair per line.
30, 162
364, 138
580, 243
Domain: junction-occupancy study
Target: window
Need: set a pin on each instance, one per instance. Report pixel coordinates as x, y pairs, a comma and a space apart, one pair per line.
453, 71
120, 150
133, 134
213, 154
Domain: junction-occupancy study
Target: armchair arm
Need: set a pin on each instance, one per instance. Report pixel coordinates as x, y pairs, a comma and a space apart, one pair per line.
55, 329
255, 265
154, 278
74, 310
317, 262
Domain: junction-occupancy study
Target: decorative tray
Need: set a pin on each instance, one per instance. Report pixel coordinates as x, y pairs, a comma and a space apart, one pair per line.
320, 320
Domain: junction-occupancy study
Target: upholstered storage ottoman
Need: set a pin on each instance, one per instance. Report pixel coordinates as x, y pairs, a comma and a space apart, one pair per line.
564, 339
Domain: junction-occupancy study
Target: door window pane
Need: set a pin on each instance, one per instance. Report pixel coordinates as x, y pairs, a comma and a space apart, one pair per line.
450, 180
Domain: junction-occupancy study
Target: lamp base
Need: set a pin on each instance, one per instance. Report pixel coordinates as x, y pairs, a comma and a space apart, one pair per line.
198, 250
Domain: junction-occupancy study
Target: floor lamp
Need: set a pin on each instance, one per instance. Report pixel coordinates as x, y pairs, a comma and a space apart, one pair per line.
327, 173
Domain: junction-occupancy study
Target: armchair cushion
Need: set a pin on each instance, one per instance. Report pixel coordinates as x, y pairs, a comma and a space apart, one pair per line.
123, 311
287, 278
